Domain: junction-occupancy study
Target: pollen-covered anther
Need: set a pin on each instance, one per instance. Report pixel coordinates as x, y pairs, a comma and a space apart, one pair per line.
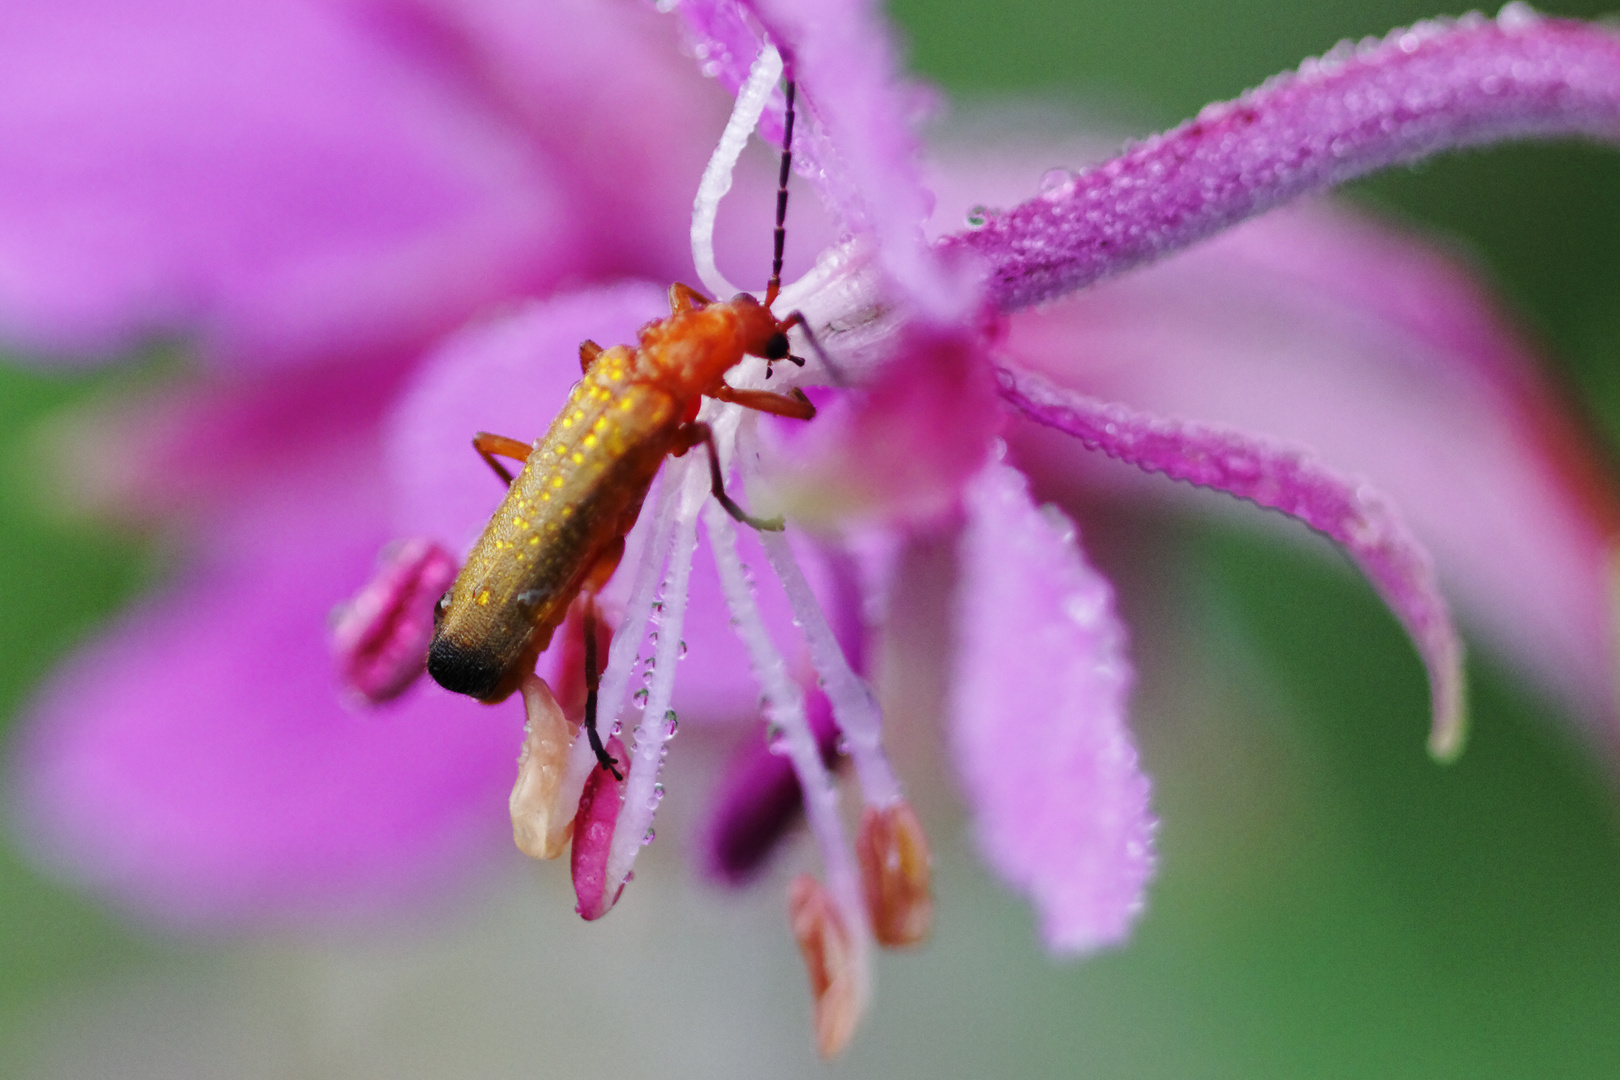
542, 820
831, 961
380, 637
593, 836
895, 870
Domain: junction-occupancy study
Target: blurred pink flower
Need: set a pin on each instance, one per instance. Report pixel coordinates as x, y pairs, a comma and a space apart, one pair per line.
316, 194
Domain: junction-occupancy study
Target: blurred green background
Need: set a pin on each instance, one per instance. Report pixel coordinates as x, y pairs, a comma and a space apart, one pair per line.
1330, 904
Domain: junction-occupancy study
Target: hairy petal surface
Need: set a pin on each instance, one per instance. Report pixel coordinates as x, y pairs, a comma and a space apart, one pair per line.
277, 177
1319, 328
1433, 87
1037, 719
195, 762
1359, 518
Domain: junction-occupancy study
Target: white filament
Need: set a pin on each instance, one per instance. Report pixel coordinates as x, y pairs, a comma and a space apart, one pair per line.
853, 706
690, 482
751, 99
627, 636
784, 712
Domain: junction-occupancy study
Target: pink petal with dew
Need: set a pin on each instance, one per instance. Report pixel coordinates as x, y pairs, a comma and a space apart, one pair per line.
1353, 514
1037, 720
278, 177
1390, 363
195, 763
897, 451
1437, 86
509, 375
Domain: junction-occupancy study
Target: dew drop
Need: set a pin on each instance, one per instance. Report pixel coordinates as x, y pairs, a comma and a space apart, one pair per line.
1054, 179
680, 653
978, 217
640, 697
671, 725
649, 836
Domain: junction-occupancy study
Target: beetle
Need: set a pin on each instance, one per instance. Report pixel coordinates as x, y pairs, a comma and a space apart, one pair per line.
559, 533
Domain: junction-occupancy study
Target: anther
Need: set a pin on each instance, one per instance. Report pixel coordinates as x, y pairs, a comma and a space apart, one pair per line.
380, 637
593, 838
895, 869
831, 960
542, 820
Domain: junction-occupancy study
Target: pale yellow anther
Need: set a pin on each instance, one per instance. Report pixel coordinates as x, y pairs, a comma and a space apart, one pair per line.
541, 825
895, 871
831, 961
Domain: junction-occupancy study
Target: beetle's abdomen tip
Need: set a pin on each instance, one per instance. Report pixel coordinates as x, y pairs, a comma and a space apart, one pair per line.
463, 670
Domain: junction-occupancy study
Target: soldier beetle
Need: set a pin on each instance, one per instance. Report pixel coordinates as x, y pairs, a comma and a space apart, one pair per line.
559, 533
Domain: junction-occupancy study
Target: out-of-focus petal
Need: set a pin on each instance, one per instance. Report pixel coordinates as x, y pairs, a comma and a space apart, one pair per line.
601, 87
1390, 363
1037, 719
1358, 517
280, 178
195, 763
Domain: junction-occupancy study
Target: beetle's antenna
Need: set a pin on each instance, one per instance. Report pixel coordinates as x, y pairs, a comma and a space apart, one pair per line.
775, 285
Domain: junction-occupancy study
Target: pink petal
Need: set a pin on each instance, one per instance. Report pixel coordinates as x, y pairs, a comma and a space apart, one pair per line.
280, 176
1437, 86
195, 764
1389, 362
1037, 720
1352, 513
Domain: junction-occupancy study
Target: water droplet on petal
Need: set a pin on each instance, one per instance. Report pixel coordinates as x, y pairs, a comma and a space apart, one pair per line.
1056, 179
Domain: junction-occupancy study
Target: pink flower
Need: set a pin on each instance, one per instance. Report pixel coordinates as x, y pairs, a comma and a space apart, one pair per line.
337, 190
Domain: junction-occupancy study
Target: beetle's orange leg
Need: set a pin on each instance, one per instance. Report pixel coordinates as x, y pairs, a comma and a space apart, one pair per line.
793, 404
685, 298
601, 570
689, 436
489, 445
588, 352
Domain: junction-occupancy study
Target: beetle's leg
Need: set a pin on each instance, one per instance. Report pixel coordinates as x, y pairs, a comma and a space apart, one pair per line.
593, 679
796, 318
793, 404
489, 445
685, 298
600, 571
696, 432
588, 352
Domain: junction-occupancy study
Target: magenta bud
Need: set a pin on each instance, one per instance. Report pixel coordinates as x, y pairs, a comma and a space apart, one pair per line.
380, 637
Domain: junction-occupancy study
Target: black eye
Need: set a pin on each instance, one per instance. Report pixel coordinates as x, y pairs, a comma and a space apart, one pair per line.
776, 347
442, 606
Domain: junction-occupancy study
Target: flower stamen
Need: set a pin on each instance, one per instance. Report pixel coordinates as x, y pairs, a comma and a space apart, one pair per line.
838, 981
542, 821
895, 870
